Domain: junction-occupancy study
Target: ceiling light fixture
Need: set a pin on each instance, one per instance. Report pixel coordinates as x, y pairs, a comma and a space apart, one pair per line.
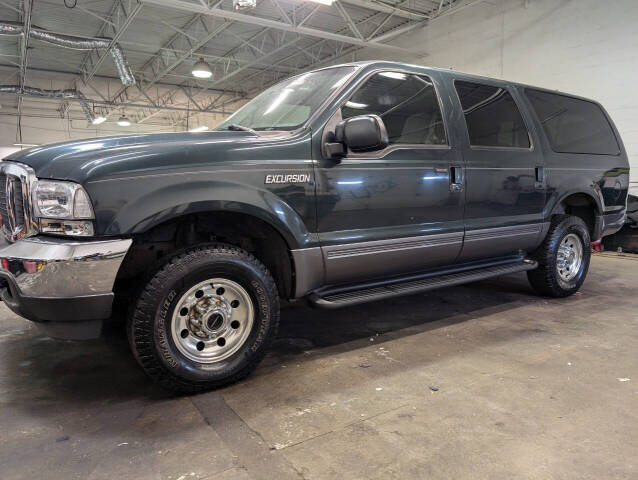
123, 121
323, 2
244, 4
26, 144
201, 128
99, 119
201, 69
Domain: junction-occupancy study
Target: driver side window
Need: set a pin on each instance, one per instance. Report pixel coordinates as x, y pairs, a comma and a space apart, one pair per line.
406, 103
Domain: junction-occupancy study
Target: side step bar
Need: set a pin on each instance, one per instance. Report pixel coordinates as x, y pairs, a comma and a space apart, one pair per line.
355, 297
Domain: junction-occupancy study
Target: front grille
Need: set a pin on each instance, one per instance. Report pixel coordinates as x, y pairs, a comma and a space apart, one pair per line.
18, 203
4, 216
15, 182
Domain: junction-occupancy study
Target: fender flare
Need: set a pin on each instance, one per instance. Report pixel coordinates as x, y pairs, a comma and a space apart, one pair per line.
169, 202
596, 196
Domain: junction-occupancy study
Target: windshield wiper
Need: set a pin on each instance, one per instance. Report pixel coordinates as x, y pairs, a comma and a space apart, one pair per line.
240, 128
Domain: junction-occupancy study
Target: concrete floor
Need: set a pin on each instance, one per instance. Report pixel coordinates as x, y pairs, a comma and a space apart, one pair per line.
485, 381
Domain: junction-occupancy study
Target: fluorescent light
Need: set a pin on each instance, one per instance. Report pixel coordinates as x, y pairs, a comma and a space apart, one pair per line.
323, 2
201, 128
26, 144
123, 121
350, 182
396, 75
99, 119
201, 69
356, 105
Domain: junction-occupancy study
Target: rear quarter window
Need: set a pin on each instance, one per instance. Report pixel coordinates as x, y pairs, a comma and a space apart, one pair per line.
573, 125
491, 116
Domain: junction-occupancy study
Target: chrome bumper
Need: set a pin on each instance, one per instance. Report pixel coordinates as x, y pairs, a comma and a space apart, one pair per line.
59, 280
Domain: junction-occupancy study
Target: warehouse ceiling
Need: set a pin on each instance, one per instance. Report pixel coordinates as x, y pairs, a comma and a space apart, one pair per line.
247, 49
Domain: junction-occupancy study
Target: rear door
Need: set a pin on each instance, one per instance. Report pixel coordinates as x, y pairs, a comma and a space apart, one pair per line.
392, 211
504, 170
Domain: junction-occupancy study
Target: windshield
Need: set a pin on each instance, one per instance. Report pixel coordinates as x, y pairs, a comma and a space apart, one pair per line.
288, 105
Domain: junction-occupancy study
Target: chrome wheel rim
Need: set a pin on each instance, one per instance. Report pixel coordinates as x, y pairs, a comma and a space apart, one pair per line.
569, 257
212, 320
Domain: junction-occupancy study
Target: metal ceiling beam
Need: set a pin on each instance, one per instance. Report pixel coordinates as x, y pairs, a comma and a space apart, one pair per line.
68, 73
244, 67
386, 7
107, 21
116, 105
185, 6
204, 55
120, 31
157, 60
194, 47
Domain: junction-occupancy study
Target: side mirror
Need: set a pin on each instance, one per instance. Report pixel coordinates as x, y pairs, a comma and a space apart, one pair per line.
364, 133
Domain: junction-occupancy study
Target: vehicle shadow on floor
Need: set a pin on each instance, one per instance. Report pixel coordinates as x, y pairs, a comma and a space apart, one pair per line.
39, 369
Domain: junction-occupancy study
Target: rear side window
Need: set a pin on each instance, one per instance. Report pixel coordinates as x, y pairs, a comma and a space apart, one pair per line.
491, 116
407, 104
573, 125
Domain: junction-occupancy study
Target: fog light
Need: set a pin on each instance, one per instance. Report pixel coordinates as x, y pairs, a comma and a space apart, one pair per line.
82, 228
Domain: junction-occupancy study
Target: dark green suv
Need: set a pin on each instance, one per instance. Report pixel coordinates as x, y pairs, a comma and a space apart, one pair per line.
343, 185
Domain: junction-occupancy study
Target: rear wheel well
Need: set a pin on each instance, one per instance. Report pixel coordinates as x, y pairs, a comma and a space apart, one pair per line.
245, 231
583, 206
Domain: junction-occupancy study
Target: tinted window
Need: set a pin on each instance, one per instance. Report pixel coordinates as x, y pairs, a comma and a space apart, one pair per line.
573, 125
407, 104
492, 118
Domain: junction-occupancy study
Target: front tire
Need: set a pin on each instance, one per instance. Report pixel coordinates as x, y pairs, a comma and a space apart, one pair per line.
563, 258
204, 319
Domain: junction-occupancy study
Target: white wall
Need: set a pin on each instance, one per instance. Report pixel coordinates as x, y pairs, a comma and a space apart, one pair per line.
585, 47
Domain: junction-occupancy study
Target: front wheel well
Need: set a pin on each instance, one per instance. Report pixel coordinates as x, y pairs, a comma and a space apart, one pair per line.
250, 233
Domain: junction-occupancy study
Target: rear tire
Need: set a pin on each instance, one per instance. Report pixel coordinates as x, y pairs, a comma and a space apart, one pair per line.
204, 319
563, 258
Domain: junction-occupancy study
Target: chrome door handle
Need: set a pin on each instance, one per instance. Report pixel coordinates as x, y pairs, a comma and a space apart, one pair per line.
539, 181
456, 179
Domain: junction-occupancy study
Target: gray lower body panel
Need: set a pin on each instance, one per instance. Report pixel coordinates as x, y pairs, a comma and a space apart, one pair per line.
356, 262
493, 242
351, 262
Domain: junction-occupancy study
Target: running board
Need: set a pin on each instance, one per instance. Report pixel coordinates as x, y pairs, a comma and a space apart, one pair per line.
355, 297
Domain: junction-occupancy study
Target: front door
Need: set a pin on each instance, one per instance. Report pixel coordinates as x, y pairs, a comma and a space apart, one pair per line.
505, 188
393, 211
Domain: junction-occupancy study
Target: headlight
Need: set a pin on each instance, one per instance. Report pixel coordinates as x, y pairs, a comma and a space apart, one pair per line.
62, 208
66, 200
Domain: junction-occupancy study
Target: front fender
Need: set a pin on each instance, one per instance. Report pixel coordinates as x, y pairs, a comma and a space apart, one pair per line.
140, 207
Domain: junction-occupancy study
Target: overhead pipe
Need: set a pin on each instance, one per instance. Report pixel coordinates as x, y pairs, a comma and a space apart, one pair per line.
66, 94
109, 105
76, 43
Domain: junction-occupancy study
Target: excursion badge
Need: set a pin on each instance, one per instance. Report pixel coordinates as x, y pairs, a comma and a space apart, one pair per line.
288, 178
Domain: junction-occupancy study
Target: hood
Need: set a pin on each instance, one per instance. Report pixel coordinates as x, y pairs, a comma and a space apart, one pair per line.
96, 158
